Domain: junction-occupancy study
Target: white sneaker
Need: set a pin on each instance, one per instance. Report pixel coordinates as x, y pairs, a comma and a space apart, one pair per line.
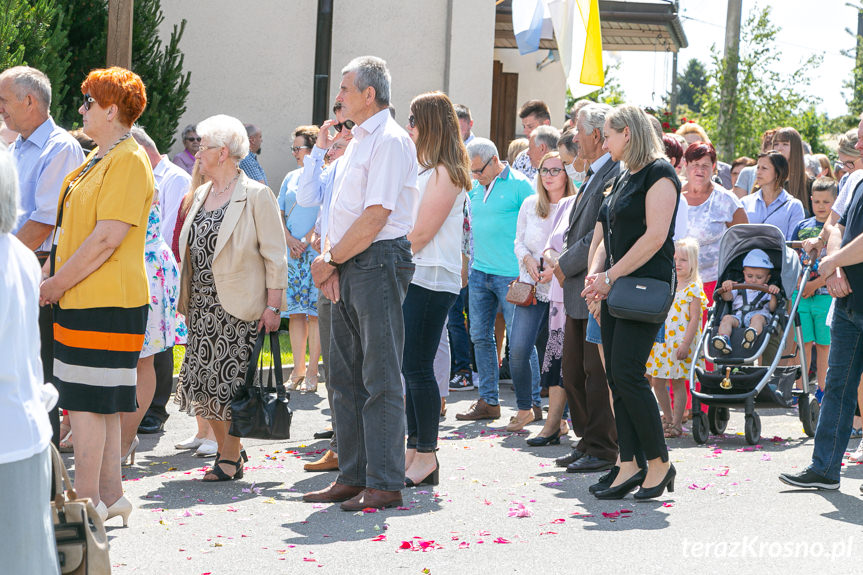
858, 453
208, 448
190, 443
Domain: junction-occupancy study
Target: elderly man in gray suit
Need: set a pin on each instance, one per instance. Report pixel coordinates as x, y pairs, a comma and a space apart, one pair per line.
583, 373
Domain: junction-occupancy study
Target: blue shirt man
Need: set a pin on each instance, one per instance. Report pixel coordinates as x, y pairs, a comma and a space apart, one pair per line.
43, 159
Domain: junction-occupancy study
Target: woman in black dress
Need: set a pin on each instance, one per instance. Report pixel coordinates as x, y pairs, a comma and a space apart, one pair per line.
637, 225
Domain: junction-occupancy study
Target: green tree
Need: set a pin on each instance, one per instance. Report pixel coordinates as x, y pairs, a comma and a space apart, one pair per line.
765, 97
160, 66
34, 33
691, 85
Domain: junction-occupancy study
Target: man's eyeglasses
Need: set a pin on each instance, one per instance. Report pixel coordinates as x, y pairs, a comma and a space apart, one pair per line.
850, 166
553, 172
88, 100
412, 121
296, 149
191, 139
482, 169
349, 124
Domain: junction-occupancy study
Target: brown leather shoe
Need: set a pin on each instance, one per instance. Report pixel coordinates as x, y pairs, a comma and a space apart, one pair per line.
479, 410
537, 413
373, 498
333, 494
329, 461
517, 424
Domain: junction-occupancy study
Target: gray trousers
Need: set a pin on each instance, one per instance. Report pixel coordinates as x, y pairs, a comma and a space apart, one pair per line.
365, 360
27, 530
324, 319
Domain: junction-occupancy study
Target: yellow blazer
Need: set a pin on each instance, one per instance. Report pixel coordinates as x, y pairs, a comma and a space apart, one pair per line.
119, 187
250, 255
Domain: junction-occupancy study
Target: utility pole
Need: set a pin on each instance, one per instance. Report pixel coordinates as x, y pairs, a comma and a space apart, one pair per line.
727, 113
120, 16
674, 88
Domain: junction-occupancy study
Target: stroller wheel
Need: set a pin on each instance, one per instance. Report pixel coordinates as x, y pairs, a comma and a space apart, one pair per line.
699, 427
717, 417
809, 412
752, 429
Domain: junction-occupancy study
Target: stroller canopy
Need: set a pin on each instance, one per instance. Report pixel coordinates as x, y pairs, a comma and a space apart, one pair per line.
743, 238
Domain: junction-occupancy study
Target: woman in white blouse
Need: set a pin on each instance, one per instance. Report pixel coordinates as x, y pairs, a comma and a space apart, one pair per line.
27, 533
436, 244
535, 220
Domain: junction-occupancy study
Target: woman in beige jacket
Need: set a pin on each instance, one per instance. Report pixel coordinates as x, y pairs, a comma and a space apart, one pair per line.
232, 284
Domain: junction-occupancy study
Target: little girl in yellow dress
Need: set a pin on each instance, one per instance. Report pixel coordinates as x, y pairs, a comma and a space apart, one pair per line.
670, 362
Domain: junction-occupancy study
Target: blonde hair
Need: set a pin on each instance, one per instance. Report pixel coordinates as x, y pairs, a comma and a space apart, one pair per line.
439, 142
693, 128
515, 147
543, 204
690, 247
644, 145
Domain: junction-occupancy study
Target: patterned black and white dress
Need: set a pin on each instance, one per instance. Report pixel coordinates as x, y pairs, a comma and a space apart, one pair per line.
219, 344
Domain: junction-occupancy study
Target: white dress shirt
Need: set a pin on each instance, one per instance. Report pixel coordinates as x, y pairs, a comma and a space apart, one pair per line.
379, 168
173, 182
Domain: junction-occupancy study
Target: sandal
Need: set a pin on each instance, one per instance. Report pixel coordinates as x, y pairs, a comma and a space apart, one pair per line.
310, 384
221, 475
294, 384
65, 445
674, 431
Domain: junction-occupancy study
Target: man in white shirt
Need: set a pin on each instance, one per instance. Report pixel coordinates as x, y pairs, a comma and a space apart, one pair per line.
365, 269
465, 123
172, 183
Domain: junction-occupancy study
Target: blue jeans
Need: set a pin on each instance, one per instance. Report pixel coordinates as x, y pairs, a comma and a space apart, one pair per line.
459, 340
844, 367
523, 360
425, 312
487, 292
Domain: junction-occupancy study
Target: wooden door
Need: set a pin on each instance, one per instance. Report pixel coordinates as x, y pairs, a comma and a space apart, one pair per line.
504, 104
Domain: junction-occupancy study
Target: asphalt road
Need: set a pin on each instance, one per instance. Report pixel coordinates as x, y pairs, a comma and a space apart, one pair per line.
501, 507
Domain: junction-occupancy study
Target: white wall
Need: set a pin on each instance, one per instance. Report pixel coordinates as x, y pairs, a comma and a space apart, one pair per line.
255, 60
548, 84
255, 63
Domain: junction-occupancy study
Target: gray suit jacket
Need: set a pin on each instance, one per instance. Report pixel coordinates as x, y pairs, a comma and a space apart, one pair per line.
573, 259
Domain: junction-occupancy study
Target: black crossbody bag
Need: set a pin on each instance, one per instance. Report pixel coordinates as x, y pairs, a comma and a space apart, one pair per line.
638, 299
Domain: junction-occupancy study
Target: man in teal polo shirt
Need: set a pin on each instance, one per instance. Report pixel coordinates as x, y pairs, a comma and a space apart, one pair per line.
495, 200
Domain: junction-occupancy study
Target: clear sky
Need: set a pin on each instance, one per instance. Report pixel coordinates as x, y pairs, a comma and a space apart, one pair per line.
807, 27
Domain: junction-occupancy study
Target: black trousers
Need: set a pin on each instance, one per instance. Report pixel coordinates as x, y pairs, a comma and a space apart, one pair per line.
163, 362
627, 346
46, 336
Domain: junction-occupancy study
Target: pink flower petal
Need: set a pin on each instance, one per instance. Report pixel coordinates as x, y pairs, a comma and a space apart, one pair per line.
502, 540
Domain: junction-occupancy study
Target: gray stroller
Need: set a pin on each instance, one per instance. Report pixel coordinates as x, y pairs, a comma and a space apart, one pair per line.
753, 374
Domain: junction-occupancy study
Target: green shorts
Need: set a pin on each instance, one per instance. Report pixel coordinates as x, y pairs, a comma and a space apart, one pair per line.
813, 318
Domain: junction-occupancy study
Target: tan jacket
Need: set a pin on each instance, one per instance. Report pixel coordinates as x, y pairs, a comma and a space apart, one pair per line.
250, 255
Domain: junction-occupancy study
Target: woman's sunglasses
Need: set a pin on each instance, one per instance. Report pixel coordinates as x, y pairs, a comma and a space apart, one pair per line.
349, 124
412, 121
88, 100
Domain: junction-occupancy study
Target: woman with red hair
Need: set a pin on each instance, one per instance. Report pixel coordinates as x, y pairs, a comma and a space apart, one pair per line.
97, 283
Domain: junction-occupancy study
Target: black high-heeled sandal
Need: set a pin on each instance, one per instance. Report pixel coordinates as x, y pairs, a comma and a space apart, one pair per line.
656, 491
242, 454
432, 478
624, 488
221, 475
540, 441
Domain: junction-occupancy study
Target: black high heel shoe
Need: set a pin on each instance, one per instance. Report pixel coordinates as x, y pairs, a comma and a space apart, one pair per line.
221, 475
605, 481
432, 478
621, 490
654, 492
539, 441
242, 454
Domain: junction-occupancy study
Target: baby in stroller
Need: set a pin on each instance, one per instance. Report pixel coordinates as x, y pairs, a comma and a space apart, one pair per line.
750, 309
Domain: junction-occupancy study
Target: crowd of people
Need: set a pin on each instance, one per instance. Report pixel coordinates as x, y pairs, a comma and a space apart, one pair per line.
416, 261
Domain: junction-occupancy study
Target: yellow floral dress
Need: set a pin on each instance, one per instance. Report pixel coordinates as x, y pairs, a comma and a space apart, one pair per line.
663, 362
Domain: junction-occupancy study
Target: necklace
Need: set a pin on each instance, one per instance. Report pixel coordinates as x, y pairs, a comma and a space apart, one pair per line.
219, 194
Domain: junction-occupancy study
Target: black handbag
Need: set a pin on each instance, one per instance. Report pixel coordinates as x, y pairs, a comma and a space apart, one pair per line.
260, 411
640, 299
